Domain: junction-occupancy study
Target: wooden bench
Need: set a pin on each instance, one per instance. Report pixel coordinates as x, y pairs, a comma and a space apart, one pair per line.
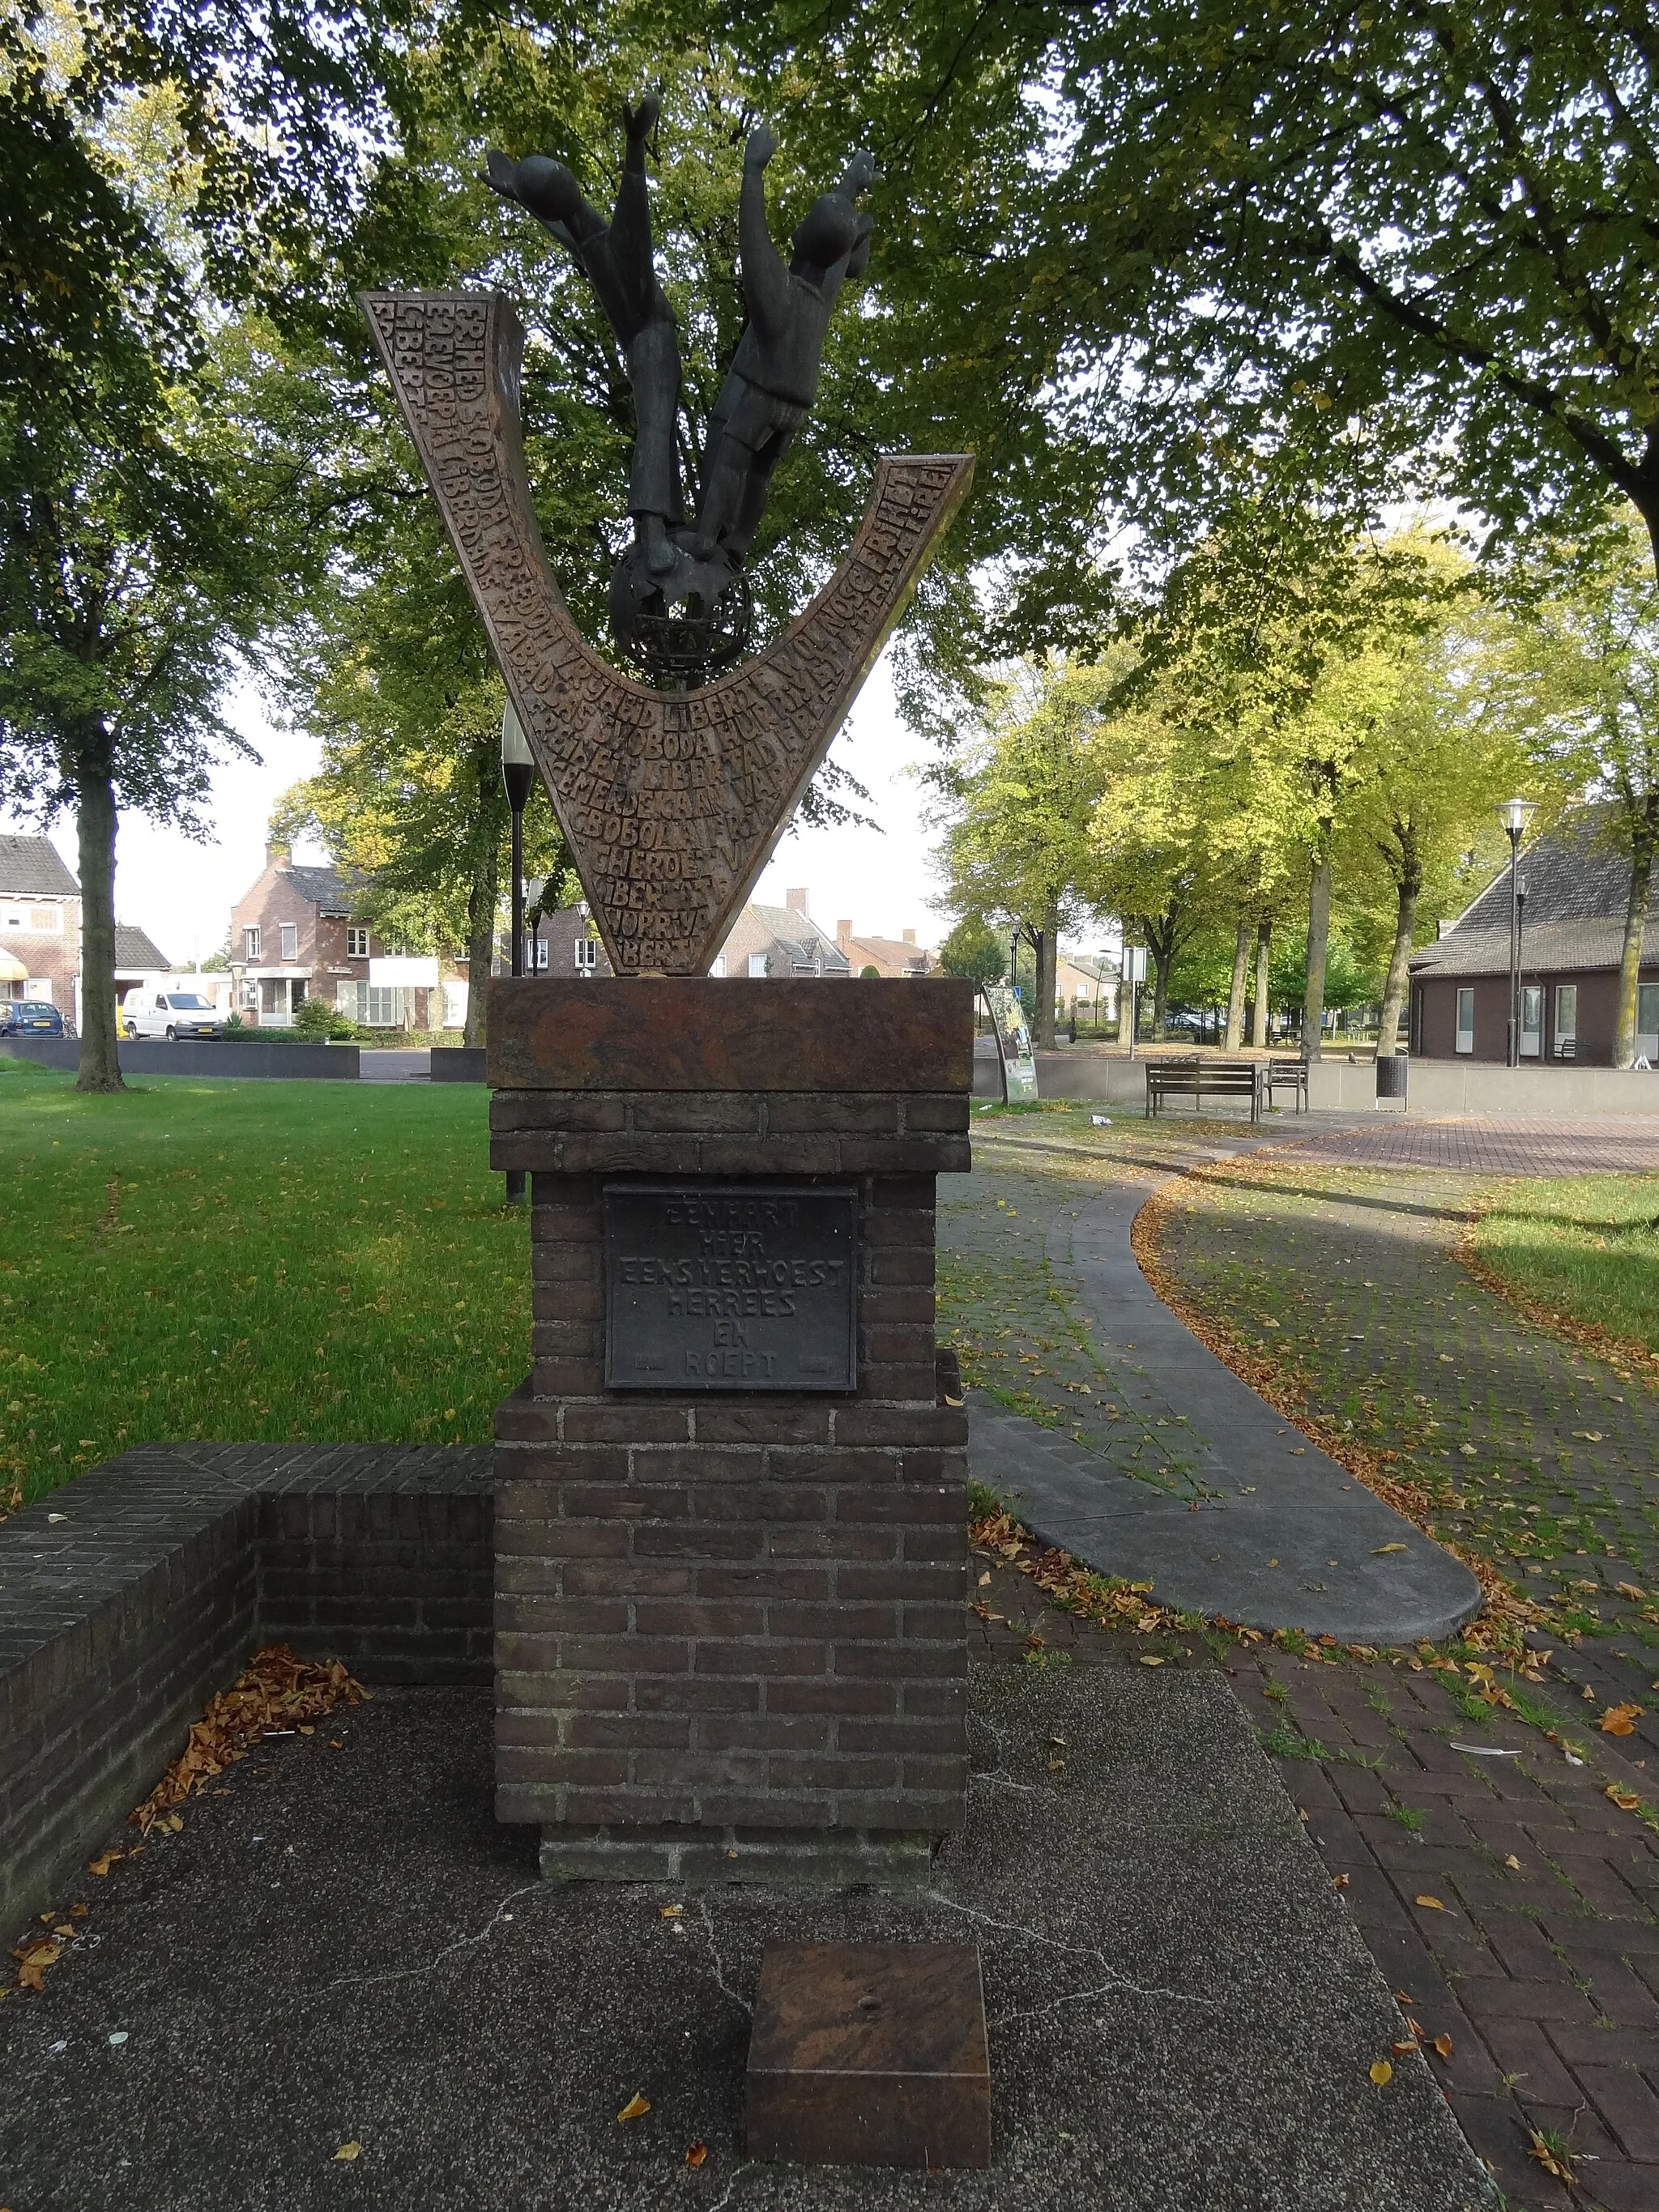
1198, 1080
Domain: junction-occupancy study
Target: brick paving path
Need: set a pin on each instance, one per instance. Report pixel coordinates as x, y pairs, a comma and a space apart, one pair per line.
1544, 1975
1335, 1260
1494, 1144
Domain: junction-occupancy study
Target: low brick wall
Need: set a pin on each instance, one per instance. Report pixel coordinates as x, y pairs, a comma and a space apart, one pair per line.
131, 1594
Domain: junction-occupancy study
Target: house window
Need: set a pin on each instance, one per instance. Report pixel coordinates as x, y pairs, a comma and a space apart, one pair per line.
1566, 1021
1466, 1017
47, 921
536, 954
250, 998
1647, 1023
290, 933
383, 1007
587, 956
718, 965
758, 965
356, 944
251, 939
1532, 1021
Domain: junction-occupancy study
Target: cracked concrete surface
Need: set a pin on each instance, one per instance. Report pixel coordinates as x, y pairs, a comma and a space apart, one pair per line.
342, 1948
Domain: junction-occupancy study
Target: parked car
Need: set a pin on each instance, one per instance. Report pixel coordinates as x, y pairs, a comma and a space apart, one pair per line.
171, 1014
30, 1018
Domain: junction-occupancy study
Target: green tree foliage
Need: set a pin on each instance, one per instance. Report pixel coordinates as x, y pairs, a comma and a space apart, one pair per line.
1584, 675
165, 169
1017, 803
1416, 241
398, 683
974, 951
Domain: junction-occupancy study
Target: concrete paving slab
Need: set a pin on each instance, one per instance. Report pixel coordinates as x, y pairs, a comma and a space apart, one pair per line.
344, 1949
1275, 1534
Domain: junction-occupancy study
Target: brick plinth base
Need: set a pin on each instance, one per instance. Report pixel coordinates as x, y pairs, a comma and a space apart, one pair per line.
730, 1625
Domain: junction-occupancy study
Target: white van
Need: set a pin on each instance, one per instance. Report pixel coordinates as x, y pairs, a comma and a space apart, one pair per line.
151, 1012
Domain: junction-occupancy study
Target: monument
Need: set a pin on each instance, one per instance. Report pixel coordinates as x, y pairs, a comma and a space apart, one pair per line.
731, 1496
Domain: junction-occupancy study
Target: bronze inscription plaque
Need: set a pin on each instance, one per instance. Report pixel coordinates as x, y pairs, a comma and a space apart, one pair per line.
730, 1287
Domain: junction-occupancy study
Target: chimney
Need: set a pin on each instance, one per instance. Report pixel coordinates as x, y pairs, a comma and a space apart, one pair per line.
796, 902
278, 856
843, 935
909, 936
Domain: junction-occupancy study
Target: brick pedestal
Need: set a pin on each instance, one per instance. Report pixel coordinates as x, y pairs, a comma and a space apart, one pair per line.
730, 1625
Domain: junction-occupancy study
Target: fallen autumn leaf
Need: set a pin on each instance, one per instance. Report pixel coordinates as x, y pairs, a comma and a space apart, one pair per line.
636, 2107
349, 2151
695, 2153
1432, 1903
1382, 2073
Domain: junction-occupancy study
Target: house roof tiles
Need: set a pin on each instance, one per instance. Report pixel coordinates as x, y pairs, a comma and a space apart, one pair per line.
1579, 871
1554, 947
326, 889
30, 868
134, 948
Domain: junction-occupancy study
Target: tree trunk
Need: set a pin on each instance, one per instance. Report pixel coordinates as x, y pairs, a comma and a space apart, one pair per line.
483, 894
1319, 939
100, 1061
1264, 933
1408, 884
1645, 836
1044, 945
1159, 931
1236, 994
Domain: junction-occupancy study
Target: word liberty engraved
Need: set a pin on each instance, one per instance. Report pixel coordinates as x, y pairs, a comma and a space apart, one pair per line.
715, 1286
670, 801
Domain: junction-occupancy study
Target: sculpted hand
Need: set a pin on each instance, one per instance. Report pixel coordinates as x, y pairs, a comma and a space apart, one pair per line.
760, 149
860, 175
640, 122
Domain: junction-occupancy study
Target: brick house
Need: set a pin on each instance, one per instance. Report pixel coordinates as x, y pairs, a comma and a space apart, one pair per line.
564, 943
40, 923
1576, 878
780, 941
293, 936
888, 956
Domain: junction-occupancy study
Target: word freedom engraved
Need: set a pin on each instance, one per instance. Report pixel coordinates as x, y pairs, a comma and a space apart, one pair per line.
729, 1287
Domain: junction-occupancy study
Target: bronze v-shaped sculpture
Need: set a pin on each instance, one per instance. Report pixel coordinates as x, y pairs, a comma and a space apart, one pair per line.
670, 801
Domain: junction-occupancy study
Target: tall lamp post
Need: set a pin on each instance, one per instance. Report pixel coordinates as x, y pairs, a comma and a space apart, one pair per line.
1515, 814
519, 775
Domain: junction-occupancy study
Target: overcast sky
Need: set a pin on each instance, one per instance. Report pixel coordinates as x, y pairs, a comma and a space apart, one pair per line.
182, 891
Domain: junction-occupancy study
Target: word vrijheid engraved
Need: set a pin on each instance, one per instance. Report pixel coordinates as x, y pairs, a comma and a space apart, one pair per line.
711, 1286
670, 801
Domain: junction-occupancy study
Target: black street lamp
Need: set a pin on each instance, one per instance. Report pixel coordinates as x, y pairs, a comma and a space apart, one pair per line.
519, 775
1515, 814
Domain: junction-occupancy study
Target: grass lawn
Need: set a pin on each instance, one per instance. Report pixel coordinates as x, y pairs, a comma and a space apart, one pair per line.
1586, 1249
283, 1260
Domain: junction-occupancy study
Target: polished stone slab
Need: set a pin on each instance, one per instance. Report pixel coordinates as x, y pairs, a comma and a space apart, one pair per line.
870, 2054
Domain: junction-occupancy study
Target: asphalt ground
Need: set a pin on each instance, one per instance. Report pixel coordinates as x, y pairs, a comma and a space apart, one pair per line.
342, 1948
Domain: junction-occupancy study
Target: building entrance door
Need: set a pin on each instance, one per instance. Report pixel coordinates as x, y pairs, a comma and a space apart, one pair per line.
1532, 1021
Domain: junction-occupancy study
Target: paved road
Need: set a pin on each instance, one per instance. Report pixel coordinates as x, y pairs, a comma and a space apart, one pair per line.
395, 1065
1509, 1145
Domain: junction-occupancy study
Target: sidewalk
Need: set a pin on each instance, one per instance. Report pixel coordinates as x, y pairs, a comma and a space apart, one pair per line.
341, 1950
1263, 1529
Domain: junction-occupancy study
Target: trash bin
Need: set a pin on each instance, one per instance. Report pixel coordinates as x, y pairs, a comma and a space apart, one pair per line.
1391, 1072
